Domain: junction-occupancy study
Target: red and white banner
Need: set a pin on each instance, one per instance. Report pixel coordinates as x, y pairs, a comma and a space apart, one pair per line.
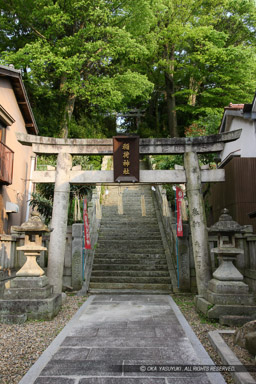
87, 240
179, 198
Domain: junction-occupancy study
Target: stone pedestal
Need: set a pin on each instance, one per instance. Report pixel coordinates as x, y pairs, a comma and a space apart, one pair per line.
228, 302
227, 298
29, 298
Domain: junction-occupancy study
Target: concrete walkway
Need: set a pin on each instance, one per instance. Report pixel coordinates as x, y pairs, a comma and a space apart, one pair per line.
126, 339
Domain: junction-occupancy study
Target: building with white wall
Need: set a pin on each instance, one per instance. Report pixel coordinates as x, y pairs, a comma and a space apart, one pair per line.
16, 160
238, 192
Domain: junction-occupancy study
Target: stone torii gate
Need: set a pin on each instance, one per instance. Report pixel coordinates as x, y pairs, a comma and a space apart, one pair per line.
192, 175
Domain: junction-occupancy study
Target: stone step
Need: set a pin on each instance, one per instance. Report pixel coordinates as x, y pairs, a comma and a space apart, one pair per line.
37, 309
234, 321
139, 286
133, 228
104, 235
132, 223
130, 273
127, 199
28, 293
122, 229
130, 267
122, 260
130, 279
138, 224
146, 257
129, 219
124, 291
129, 236
124, 243
128, 202
110, 251
134, 196
134, 209
130, 254
133, 205
8, 318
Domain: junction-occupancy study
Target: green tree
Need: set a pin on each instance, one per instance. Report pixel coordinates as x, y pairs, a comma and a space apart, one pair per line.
203, 57
75, 50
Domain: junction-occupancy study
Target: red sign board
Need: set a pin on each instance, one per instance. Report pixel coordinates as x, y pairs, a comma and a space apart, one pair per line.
126, 158
87, 240
179, 198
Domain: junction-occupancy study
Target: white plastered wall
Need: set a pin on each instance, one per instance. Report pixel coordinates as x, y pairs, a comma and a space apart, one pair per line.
245, 146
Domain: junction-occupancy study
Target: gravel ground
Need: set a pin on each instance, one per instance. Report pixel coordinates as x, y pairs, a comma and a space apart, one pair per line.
21, 345
201, 326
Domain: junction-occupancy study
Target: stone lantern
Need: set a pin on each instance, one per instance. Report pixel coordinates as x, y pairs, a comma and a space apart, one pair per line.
226, 250
227, 297
33, 229
30, 296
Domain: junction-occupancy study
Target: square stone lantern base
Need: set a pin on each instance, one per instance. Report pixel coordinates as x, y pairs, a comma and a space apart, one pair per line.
29, 298
227, 298
229, 302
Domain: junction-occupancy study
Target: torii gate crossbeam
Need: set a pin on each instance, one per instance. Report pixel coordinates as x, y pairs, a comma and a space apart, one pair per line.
192, 175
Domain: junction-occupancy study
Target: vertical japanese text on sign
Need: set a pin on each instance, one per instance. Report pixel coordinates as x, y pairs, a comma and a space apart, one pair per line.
126, 158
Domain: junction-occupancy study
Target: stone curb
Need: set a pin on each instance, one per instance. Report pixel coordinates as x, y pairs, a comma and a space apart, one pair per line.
214, 378
46, 356
228, 357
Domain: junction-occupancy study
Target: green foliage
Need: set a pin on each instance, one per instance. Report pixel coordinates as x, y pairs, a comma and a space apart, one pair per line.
74, 51
201, 48
43, 205
43, 198
205, 320
43, 160
167, 161
184, 302
180, 62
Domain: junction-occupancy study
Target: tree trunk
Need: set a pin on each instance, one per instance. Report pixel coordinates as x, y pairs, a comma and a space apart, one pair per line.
68, 111
171, 105
170, 97
194, 87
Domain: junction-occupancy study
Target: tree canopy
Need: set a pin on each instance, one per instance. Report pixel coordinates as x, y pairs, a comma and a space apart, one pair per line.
178, 61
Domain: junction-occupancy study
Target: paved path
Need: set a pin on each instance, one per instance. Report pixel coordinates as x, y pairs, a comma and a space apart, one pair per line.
124, 339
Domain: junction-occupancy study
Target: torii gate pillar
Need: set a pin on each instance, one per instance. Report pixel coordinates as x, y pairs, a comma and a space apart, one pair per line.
59, 222
197, 221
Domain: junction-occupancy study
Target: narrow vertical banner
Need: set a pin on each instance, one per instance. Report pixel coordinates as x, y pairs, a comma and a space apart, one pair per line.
87, 240
179, 198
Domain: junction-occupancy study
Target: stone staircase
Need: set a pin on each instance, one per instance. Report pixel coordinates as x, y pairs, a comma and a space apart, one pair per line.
130, 255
